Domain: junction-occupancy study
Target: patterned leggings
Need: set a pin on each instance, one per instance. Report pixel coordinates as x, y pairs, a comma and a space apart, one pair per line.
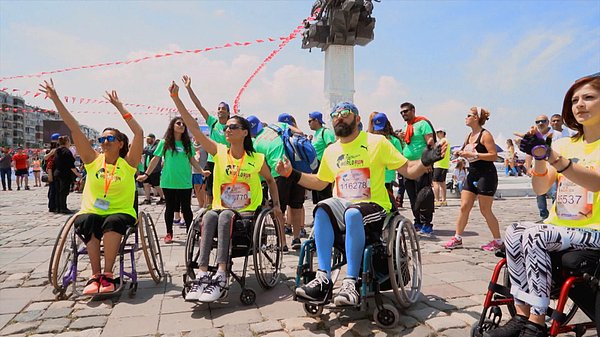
528, 247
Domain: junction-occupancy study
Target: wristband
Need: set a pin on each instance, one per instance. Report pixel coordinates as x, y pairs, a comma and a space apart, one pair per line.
174, 95
295, 176
566, 167
127, 116
542, 157
556, 160
535, 174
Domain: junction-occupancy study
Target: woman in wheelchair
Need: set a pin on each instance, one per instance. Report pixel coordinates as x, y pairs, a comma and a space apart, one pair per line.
237, 182
107, 205
574, 221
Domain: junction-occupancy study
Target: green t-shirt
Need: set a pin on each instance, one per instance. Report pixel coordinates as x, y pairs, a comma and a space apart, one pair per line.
444, 163
321, 139
357, 169
269, 143
390, 175
177, 170
417, 144
216, 133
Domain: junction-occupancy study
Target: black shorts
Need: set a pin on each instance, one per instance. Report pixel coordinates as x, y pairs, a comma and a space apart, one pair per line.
290, 194
439, 174
87, 225
482, 182
154, 179
19, 173
210, 166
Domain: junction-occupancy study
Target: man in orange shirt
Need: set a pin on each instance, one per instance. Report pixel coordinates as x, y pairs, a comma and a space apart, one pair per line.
21, 160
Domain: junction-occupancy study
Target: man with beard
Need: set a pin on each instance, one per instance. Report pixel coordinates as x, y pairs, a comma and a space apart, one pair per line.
356, 166
417, 136
215, 127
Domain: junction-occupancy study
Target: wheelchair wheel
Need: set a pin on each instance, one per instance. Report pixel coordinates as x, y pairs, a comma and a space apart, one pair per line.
312, 310
387, 317
404, 260
267, 251
192, 248
151, 246
62, 268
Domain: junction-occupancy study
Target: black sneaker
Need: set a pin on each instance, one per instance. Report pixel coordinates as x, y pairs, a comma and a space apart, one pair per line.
318, 289
296, 244
512, 328
285, 249
534, 330
146, 202
160, 201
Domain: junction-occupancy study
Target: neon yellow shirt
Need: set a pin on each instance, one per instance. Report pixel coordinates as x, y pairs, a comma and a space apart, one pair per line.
444, 163
121, 191
390, 175
575, 206
357, 169
246, 194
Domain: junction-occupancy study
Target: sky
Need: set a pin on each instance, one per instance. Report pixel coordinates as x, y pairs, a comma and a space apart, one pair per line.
515, 58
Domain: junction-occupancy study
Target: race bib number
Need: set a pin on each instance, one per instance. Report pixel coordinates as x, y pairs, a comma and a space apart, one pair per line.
470, 148
573, 202
235, 196
354, 184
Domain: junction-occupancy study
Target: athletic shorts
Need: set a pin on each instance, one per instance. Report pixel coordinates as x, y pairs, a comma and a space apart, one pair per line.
482, 183
154, 179
197, 179
23, 172
439, 175
290, 194
210, 166
87, 225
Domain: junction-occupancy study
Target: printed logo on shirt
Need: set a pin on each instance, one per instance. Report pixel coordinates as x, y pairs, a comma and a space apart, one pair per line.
231, 169
100, 174
349, 160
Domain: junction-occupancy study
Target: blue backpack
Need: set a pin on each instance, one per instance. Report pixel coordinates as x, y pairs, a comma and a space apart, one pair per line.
298, 149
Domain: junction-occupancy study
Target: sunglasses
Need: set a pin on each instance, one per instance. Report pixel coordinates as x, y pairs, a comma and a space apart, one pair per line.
404, 111
541, 121
470, 115
109, 139
341, 113
232, 127
180, 123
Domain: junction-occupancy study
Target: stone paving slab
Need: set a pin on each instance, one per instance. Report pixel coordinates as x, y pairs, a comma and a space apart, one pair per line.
454, 284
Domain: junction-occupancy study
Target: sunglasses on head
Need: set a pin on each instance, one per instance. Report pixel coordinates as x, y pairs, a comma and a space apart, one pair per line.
109, 139
541, 121
341, 113
232, 127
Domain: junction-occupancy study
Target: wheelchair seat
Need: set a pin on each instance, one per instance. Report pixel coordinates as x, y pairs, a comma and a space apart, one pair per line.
579, 262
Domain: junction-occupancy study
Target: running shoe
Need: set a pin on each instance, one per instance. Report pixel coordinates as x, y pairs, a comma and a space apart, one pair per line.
318, 289
491, 246
146, 202
288, 230
534, 330
198, 286
168, 238
160, 201
426, 230
512, 328
107, 283
303, 233
214, 290
418, 227
296, 244
93, 285
453, 243
348, 294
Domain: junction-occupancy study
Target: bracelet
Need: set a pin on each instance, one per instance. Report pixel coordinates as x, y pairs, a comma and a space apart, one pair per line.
535, 174
295, 176
556, 161
566, 167
174, 95
127, 116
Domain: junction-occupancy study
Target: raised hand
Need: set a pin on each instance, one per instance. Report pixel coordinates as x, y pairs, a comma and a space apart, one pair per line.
187, 81
284, 167
48, 89
113, 98
534, 144
174, 89
431, 154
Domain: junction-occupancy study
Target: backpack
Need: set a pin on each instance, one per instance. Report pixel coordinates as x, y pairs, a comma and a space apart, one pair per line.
298, 149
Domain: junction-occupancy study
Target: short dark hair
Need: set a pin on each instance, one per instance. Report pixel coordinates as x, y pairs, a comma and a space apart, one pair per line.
556, 115
407, 104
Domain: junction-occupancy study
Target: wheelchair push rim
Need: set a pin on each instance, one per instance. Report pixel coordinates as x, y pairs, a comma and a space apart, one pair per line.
267, 254
62, 259
150, 245
404, 261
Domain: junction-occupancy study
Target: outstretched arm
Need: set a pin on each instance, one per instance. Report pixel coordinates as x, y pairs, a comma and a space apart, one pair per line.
85, 150
208, 144
310, 181
187, 81
137, 144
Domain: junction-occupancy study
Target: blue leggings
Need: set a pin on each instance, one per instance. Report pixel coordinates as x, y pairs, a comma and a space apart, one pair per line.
355, 240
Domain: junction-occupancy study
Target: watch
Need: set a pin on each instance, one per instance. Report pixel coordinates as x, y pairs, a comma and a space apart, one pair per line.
543, 156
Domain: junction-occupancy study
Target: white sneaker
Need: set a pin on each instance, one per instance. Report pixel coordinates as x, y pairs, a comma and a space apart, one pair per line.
348, 294
198, 287
214, 290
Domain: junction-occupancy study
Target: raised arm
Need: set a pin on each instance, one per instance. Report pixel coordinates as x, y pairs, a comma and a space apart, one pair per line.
208, 144
85, 150
187, 81
137, 144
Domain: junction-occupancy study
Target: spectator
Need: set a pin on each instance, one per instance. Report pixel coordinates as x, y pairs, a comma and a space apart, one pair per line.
5, 168
322, 138
440, 170
64, 173
556, 121
21, 162
153, 180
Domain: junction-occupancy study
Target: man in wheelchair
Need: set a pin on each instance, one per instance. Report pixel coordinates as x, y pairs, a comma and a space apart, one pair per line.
574, 221
356, 165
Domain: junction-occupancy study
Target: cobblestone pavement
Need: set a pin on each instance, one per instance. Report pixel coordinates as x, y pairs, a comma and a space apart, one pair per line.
454, 284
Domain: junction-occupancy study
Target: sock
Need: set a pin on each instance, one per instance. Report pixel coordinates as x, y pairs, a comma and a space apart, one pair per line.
355, 240
499, 241
458, 237
324, 240
201, 274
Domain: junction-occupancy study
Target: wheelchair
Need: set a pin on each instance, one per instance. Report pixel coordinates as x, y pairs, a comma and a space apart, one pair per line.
69, 255
575, 286
390, 262
253, 233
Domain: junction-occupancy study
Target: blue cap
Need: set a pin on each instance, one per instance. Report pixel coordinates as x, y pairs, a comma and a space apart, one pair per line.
316, 115
54, 136
255, 125
286, 118
379, 121
344, 106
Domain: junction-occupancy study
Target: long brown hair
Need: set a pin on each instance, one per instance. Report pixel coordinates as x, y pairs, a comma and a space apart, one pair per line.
567, 110
169, 137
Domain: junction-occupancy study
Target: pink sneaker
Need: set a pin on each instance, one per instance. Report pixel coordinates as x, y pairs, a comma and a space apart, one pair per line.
491, 246
453, 243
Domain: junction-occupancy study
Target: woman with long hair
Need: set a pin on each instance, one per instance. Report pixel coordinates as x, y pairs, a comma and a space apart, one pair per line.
574, 220
176, 178
509, 161
459, 177
107, 204
237, 189
482, 181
